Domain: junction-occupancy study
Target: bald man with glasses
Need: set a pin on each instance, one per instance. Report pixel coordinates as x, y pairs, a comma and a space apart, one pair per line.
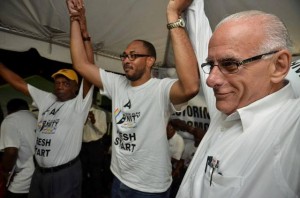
251, 148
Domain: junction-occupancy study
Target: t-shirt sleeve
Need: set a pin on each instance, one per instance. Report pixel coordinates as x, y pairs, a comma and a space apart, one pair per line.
167, 84
41, 98
109, 81
86, 102
10, 136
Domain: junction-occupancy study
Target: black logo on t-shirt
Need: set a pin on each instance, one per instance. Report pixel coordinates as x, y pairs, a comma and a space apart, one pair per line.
128, 104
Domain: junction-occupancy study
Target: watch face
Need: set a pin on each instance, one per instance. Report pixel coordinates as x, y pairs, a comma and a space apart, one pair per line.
181, 22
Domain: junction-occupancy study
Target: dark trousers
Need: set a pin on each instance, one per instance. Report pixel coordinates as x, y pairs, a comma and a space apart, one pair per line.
120, 190
9, 194
95, 169
65, 183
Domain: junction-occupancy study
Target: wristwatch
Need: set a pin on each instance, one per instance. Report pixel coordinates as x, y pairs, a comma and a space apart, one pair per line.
179, 23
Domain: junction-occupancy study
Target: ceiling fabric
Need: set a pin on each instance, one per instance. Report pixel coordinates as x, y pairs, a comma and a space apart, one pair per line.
112, 24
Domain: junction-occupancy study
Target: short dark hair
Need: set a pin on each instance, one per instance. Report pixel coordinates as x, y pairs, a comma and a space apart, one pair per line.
149, 46
16, 104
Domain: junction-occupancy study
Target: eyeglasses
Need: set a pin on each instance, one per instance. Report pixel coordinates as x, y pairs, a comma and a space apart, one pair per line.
132, 57
232, 66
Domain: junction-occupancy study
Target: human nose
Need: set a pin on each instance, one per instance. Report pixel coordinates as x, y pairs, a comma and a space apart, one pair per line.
58, 85
215, 77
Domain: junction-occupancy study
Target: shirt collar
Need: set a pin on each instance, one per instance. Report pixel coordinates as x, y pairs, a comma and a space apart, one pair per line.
259, 108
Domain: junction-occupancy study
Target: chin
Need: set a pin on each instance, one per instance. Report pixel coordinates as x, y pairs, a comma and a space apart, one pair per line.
224, 108
131, 78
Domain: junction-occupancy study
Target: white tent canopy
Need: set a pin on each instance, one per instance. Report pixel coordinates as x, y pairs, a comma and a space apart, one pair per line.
44, 25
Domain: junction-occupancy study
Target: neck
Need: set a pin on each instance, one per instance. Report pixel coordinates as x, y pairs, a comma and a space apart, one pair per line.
139, 82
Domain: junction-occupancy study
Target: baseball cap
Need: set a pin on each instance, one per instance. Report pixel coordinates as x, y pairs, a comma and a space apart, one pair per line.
69, 73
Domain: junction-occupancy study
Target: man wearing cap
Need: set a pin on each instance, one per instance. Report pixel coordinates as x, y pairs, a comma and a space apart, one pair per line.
59, 132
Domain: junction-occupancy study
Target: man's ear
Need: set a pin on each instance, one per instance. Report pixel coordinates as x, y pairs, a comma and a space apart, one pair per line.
150, 61
281, 66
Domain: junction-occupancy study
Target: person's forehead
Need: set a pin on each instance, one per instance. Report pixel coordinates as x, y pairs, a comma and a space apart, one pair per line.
234, 38
135, 46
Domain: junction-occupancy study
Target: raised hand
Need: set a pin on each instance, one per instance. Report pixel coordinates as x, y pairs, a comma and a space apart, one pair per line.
72, 7
177, 6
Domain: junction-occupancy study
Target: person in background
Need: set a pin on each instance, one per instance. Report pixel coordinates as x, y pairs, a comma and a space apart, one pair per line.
93, 153
94, 147
188, 150
61, 117
176, 145
251, 148
196, 132
141, 104
17, 138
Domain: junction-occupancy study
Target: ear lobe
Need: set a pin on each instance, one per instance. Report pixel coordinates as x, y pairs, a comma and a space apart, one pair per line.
281, 66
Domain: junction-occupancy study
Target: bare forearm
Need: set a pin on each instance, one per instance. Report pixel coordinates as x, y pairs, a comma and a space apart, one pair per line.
78, 54
13, 79
188, 84
90, 56
184, 56
80, 59
9, 158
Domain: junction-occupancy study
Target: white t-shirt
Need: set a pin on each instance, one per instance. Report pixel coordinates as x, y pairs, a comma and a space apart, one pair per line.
176, 145
93, 132
60, 126
140, 150
18, 131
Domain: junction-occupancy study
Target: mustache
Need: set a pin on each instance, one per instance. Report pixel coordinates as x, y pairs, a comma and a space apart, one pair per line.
127, 65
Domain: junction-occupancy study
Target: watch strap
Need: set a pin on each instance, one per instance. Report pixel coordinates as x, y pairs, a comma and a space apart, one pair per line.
179, 23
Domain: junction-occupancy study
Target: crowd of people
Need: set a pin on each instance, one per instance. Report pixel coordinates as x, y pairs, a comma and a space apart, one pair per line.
251, 148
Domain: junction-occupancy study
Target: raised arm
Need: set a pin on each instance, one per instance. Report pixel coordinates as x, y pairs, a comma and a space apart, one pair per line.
188, 82
81, 51
80, 16
13, 79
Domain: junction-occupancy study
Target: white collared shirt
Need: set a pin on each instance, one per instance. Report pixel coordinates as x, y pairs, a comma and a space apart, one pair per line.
258, 148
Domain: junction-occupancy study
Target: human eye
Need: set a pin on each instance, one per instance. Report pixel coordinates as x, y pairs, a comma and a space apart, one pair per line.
132, 56
67, 84
229, 66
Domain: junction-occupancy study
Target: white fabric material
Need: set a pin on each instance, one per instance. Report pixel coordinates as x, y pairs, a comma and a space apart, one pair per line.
199, 29
258, 150
52, 51
294, 76
176, 145
140, 151
189, 151
252, 163
200, 32
196, 115
18, 131
112, 28
60, 124
93, 132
